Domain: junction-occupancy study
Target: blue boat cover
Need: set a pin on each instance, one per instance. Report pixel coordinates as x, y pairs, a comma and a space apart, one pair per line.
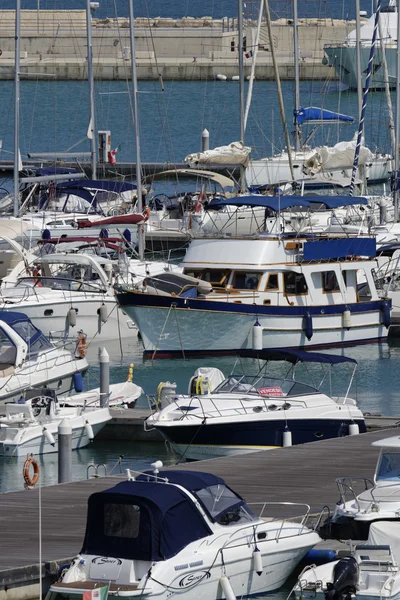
339, 249
336, 201
28, 333
295, 356
312, 113
140, 520
275, 203
101, 184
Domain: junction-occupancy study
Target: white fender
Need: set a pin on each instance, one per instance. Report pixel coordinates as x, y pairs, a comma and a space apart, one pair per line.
49, 437
71, 315
227, 588
89, 431
257, 561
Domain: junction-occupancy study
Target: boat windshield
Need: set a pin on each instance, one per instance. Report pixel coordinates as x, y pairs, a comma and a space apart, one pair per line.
264, 386
224, 506
58, 283
389, 465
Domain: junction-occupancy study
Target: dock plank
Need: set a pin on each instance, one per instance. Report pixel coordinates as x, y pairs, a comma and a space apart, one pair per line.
304, 474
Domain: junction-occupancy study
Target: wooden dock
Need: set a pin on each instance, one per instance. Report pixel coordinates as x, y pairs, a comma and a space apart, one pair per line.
303, 473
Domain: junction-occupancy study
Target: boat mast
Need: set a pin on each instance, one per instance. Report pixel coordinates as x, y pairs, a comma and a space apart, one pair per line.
16, 105
137, 130
253, 65
241, 69
91, 129
279, 89
297, 133
358, 60
396, 148
365, 96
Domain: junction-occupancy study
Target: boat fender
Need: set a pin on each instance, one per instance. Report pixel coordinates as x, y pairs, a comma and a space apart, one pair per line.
257, 561
127, 235
81, 345
130, 373
71, 315
89, 431
344, 580
31, 480
354, 429
46, 234
308, 325
257, 336
103, 234
78, 382
103, 313
49, 437
221, 77
287, 437
235, 78
319, 557
385, 310
227, 588
346, 319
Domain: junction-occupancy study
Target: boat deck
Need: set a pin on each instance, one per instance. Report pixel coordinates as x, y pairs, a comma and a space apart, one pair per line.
304, 474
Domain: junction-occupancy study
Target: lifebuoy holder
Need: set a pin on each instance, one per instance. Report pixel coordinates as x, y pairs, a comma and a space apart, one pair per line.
31, 480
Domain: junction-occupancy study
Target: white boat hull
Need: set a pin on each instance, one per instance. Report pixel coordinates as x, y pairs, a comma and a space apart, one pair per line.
184, 330
38, 444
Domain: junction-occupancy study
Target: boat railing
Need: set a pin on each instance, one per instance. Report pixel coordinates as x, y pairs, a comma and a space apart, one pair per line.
346, 487
263, 505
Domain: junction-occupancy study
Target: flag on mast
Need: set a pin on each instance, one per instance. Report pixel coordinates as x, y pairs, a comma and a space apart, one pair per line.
112, 154
99, 593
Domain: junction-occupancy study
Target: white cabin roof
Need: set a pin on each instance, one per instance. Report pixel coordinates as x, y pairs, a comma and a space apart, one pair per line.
390, 442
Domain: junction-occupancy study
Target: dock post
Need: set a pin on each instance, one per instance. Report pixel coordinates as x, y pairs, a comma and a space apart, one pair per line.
64, 452
205, 140
104, 361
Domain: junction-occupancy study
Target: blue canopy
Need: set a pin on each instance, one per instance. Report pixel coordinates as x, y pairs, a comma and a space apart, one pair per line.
140, 520
55, 171
99, 184
273, 202
295, 356
23, 326
321, 115
339, 248
336, 201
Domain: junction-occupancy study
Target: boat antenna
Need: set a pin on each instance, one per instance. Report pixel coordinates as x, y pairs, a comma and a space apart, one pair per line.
396, 149
297, 132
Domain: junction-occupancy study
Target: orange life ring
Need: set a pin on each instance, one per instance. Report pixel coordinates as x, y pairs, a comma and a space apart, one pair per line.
31, 480
81, 345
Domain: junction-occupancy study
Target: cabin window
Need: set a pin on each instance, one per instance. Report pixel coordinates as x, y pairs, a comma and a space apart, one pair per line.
121, 520
389, 466
245, 280
294, 283
272, 282
329, 282
217, 277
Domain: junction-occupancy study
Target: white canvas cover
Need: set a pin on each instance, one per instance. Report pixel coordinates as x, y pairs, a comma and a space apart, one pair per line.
234, 154
386, 533
340, 156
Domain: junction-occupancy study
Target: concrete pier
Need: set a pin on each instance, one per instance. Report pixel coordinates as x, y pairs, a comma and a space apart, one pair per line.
53, 44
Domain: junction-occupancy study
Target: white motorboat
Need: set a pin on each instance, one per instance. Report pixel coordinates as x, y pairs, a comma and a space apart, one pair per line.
371, 572
30, 426
379, 499
253, 409
60, 292
123, 395
29, 360
270, 291
182, 534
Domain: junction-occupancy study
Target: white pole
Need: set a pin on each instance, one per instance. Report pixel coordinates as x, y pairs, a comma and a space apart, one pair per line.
40, 542
16, 104
396, 149
137, 129
253, 66
92, 127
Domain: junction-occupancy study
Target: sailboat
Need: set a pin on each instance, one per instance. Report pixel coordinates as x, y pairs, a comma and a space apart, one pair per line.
308, 162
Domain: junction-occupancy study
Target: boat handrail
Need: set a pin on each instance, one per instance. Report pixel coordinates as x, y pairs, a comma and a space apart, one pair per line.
274, 503
346, 483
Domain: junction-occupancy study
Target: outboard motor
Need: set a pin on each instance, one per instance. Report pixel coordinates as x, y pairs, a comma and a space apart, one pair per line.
345, 580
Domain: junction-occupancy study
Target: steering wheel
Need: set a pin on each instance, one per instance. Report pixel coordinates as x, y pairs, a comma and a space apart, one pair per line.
39, 403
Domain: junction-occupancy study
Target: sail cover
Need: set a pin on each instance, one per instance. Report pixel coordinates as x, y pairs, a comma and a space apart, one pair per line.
321, 115
234, 154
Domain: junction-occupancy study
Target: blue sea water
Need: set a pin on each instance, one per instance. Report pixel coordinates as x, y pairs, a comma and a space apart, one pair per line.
338, 9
